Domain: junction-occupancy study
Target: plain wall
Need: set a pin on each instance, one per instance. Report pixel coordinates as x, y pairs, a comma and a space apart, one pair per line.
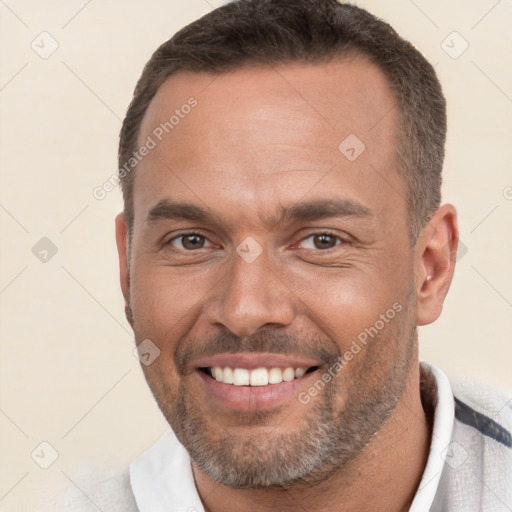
68, 375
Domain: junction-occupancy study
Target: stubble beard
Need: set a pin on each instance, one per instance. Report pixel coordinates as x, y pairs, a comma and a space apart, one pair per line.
329, 436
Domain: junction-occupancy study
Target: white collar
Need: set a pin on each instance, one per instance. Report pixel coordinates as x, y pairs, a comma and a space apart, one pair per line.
162, 479
444, 417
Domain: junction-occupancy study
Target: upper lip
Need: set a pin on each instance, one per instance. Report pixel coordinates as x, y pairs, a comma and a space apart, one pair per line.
252, 360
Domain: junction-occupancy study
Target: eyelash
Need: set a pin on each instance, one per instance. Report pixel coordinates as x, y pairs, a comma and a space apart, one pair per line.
316, 233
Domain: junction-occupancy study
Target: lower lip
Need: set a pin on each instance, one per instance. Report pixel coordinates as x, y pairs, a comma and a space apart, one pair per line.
252, 398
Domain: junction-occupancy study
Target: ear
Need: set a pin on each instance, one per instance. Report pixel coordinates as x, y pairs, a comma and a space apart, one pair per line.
435, 257
124, 267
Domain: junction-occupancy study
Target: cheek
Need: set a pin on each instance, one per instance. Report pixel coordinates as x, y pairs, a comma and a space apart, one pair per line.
346, 303
164, 383
163, 298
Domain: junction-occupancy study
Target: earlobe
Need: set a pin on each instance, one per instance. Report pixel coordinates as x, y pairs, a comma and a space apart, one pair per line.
435, 263
124, 268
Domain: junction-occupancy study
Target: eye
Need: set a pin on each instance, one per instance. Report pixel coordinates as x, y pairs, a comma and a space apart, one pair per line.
188, 241
320, 241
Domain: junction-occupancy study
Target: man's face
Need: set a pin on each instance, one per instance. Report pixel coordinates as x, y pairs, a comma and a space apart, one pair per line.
301, 256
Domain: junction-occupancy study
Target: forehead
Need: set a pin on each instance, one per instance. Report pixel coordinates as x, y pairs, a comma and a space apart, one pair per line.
260, 136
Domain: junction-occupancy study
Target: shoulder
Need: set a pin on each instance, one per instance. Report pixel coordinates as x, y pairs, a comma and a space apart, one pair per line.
485, 410
100, 492
478, 462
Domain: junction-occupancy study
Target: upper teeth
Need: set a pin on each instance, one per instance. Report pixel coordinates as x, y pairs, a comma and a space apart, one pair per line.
256, 377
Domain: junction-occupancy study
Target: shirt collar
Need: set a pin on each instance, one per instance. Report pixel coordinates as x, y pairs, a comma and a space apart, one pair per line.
444, 416
162, 479
162, 476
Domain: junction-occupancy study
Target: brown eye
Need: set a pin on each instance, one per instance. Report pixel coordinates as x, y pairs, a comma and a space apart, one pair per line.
320, 241
189, 241
324, 241
193, 241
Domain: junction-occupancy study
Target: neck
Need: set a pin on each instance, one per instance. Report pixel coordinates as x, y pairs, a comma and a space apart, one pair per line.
384, 476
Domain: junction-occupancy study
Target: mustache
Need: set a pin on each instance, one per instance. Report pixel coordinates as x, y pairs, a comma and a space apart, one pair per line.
322, 349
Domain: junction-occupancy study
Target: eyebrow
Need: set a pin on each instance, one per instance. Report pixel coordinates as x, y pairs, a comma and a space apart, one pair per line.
321, 209
316, 209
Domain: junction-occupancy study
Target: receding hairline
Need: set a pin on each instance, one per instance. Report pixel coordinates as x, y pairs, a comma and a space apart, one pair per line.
349, 55
285, 31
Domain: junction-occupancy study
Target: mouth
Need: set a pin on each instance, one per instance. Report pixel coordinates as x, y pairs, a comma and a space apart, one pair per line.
256, 377
250, 381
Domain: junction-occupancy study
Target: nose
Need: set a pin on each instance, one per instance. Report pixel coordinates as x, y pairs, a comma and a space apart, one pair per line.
251, 296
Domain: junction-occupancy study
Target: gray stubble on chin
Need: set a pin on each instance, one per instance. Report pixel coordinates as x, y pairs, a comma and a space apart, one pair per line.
326, 442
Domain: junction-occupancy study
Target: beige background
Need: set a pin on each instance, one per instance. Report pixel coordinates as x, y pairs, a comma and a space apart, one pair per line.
67, 372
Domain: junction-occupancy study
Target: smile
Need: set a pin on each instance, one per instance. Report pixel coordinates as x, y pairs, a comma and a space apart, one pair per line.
255, 377
254, 381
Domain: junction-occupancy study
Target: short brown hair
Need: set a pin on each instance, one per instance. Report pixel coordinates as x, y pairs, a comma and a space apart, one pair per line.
293, 31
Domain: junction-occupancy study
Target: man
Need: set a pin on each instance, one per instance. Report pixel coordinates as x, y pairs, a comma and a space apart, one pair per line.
282, 238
